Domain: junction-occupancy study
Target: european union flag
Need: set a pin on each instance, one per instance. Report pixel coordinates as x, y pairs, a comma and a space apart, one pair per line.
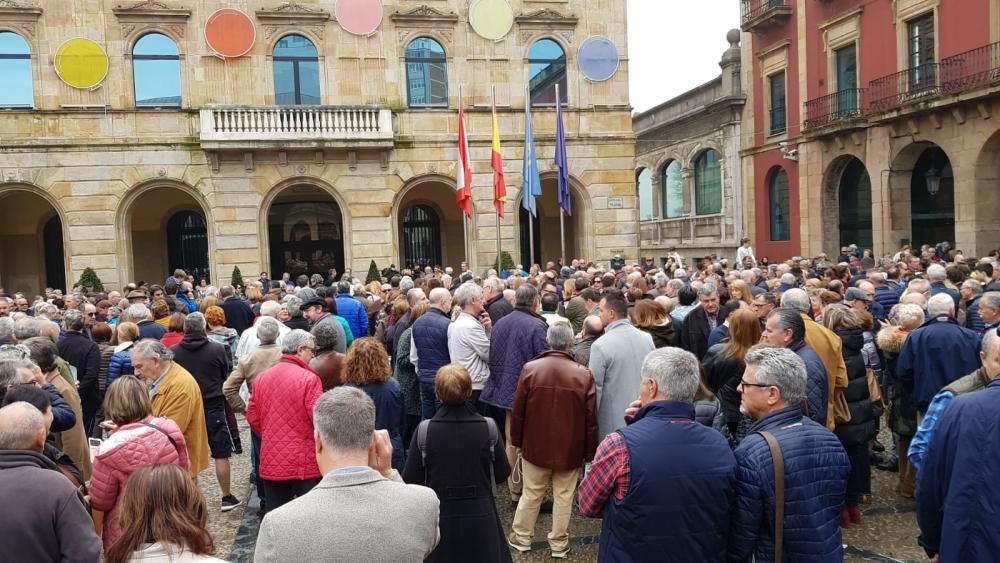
561, 162
531, 183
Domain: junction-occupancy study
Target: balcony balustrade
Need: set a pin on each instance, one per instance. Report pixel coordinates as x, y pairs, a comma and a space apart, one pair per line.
836, 107
248, 127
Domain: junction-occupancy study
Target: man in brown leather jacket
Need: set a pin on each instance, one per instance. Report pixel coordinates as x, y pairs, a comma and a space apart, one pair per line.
554, 422
328, 361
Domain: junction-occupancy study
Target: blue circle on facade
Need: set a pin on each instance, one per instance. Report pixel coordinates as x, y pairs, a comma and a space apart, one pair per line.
598, 59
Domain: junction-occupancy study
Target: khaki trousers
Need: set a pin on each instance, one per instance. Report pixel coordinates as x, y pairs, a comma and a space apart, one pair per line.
907, 472
563, 486
515, 479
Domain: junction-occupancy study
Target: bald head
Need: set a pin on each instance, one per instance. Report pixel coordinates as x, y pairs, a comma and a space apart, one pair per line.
592, 325
440, 298
22, 427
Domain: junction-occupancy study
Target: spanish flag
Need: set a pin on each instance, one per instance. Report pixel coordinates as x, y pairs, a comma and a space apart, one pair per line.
499, 188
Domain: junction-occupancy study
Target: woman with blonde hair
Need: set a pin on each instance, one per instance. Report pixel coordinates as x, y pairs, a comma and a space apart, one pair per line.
166, 518
137, 440
856, 434
206, 302
648, 316
121, 360
161, 312
367, 368
740, 291
724, 365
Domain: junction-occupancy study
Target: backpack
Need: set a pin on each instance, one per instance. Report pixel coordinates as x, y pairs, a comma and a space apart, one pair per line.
491, 426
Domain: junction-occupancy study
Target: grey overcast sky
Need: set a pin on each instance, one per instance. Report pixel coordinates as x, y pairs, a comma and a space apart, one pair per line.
675, 45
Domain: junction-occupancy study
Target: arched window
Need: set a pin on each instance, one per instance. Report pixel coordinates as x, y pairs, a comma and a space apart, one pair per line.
296, 72
421, 237
546, 68
707, 184
426, 73
672, 189
156, 71
187, 244
778, 202
644, 187
15, 68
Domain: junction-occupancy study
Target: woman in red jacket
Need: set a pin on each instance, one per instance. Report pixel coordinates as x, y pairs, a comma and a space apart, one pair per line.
137, 440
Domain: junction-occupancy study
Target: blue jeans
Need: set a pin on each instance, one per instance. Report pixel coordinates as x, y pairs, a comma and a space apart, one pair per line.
255, 463
428, 402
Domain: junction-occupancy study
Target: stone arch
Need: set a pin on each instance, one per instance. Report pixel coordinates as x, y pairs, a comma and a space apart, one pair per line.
986, 224
312, 189
169, 197
414, 192
317, 40
843, 168
138, 33
26, 264
579, 226
931, 219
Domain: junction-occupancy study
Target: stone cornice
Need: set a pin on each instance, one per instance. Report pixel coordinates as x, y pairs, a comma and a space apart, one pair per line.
424, 16
151, 11
546, 18
292, 13
10, 10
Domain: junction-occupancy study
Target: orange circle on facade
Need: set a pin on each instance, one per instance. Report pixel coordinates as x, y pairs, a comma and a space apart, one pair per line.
230, 33
360, 17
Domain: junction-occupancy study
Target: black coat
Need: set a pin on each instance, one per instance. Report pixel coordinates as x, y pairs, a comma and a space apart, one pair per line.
298, 322
722, 376
83, 354
693, 333
458, 469
239, 316
498, 308
207, 362
862, 427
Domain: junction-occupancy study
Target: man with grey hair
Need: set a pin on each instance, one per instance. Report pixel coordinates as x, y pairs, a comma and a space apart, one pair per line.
989, 310
592, 329
362, 504
84, 355
661, 460
239, 315
429, 349
701, 321
937, 353
405, 284
493, 293
554, 423
279, 412
786, 329
936, 275
469, 338
7, 331
815, 466
51, 521
26, 328
174, 394
971, 292
249, 341
208, 363
827, 346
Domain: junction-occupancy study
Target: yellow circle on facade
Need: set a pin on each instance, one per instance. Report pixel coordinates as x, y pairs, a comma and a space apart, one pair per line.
81, 63
491, 19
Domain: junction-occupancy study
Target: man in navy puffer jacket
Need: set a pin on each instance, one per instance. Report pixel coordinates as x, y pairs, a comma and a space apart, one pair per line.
816, 467
786, 329
430, 346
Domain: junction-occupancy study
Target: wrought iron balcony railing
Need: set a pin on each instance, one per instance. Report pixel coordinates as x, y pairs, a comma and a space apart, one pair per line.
971, 69
838, 106
764, 13
918, 83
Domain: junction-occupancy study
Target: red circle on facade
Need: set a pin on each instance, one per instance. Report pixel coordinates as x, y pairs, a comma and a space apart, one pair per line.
360, 17
230, 33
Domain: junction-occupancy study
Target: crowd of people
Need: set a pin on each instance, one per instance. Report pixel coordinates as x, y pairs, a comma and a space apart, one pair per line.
705, 413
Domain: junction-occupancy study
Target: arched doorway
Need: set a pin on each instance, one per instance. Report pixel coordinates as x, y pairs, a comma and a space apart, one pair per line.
29, 263
429, 224
932, 198
986, 228
847, 205
305, 232
546, 226
168, 231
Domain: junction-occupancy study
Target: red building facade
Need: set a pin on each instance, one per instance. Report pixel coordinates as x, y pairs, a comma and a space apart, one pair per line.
871, 122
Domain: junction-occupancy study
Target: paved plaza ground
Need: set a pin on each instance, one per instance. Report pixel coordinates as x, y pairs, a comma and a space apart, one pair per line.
887, 533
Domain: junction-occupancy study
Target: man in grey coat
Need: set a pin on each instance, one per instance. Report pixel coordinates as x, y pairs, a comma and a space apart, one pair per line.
616, 361
361, 510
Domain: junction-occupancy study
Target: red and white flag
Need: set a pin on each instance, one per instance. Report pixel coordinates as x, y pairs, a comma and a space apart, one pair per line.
464, 175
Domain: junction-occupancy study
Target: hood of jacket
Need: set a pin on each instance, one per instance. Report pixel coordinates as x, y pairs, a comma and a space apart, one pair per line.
193, 342
665, 330
891, 340
852, 339
10, 459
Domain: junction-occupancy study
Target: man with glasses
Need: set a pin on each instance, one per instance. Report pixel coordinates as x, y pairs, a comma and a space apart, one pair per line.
762, 305
815, 466
280, 411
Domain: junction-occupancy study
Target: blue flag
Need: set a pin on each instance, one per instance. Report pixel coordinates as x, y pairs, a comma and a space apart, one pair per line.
531, 183
561, 162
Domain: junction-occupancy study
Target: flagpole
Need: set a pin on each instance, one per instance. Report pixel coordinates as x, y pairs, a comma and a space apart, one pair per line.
465, 218
531, 218
562, 212
493, 94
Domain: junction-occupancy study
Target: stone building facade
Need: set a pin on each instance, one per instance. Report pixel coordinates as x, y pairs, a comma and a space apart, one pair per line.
874, 123
687, 149
317, 148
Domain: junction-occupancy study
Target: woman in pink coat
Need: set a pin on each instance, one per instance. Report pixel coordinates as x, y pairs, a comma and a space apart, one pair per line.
137, 440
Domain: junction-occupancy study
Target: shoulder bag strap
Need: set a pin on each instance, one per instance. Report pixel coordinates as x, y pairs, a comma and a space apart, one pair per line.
422, 445
491, 427
165, 433
779, 493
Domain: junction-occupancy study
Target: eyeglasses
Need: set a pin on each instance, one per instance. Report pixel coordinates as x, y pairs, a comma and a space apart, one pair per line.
748, 384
